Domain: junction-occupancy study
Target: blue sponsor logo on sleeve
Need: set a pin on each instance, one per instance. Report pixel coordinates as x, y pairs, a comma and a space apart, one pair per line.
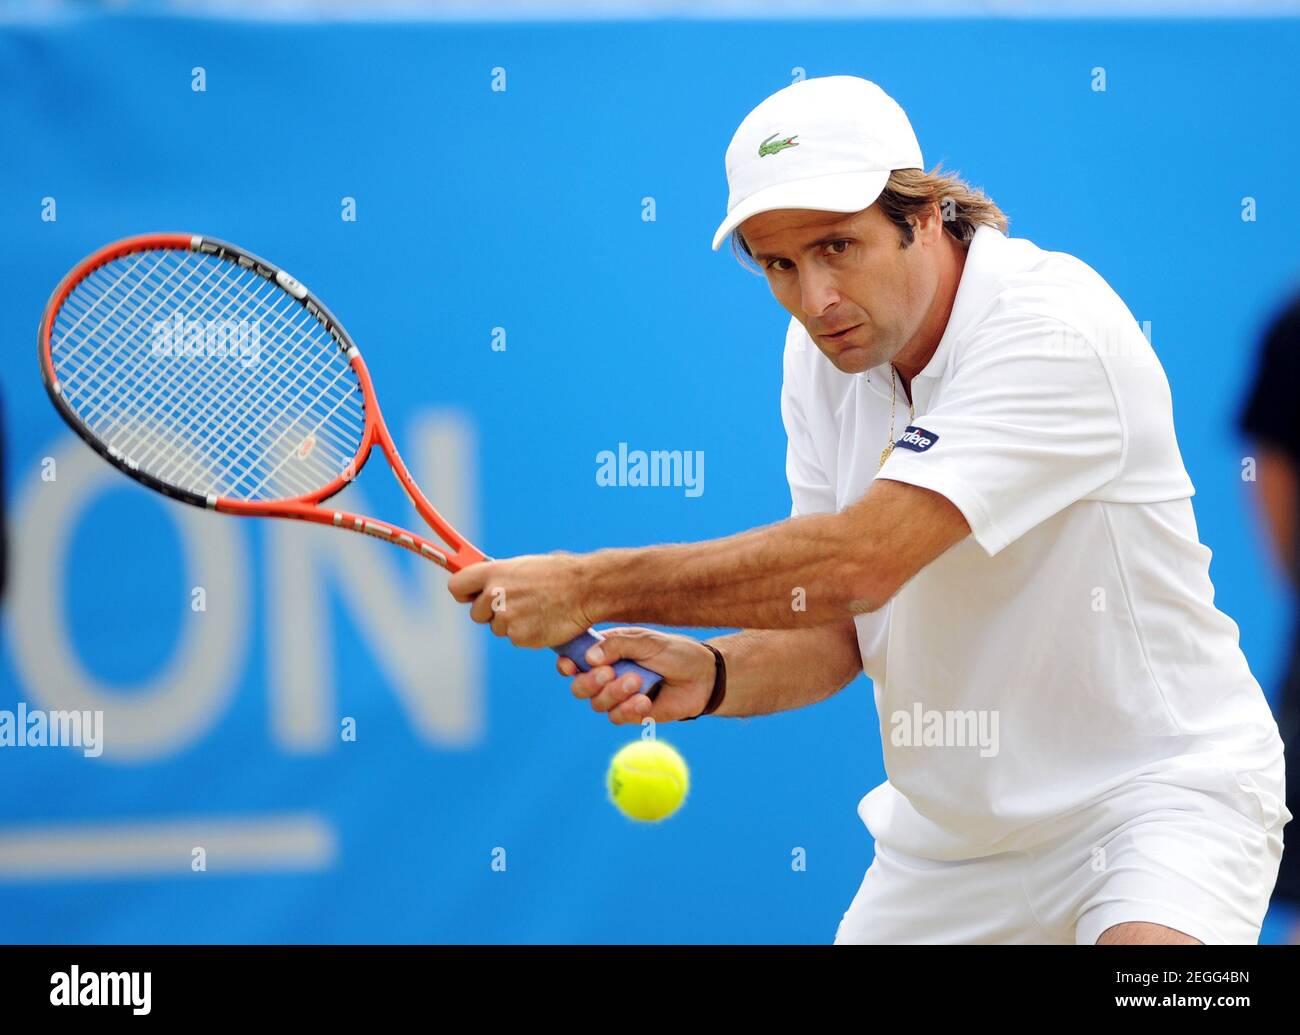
917, 439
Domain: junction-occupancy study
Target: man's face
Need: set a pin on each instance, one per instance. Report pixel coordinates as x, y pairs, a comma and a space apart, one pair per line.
848, 274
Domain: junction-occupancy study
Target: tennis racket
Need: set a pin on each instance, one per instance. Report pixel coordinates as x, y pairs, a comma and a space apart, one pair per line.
215, 378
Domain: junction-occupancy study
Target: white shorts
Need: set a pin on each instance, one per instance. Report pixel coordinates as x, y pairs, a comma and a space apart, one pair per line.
1202, 862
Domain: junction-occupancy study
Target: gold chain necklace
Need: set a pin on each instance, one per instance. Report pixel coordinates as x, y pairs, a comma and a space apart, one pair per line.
893, 399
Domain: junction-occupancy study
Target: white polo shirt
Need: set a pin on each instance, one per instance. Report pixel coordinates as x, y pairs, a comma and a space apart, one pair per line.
1070, 644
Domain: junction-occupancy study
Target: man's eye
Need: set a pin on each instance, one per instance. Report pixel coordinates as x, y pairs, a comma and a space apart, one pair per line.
836, 248
774, 265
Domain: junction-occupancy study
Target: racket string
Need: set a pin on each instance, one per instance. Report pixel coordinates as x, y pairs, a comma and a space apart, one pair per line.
178, 379
109, 419
249, 471
143, 366
286, 424
227, 415
280, 379
253, 492
154, 380
268, 378
158, 382
105, 292
172, 383
86, 372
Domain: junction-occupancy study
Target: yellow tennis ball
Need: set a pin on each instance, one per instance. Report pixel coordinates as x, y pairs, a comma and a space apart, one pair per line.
648, 780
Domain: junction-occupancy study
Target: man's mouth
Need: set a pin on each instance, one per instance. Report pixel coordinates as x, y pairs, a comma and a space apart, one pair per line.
840, 334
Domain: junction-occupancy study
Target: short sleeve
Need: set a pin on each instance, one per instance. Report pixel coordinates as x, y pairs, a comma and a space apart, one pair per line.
811, 491
1270, 413
1027, 425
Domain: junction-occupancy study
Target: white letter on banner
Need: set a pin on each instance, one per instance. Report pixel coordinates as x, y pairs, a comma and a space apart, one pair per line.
159, 717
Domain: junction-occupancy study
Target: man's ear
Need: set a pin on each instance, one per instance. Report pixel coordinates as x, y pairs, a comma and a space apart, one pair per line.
928, 223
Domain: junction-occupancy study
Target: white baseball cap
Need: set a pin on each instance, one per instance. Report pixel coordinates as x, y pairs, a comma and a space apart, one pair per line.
827, 144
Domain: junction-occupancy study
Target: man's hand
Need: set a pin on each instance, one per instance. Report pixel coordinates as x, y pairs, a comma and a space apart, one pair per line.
535, 601
687, 666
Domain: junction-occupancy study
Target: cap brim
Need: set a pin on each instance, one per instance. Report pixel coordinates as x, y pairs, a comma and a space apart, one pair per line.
838, 192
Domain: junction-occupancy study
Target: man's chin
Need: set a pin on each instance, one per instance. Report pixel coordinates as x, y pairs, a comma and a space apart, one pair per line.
853, 360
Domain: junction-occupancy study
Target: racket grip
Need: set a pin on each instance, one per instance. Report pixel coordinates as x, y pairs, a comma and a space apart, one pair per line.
576, 651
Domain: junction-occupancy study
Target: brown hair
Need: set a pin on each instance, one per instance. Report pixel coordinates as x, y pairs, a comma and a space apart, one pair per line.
909, 192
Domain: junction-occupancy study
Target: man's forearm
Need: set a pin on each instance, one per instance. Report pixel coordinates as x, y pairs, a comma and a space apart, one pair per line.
775, 670
799, 573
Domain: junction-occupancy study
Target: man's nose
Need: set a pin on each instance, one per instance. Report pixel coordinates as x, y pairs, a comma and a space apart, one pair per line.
817, 293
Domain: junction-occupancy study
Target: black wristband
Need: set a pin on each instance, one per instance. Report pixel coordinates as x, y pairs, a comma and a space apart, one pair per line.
719, 684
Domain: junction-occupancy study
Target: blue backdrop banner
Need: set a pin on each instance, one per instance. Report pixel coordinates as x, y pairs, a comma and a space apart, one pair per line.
306, 739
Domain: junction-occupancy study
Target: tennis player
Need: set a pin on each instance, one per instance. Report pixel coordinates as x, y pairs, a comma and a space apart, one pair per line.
992, 518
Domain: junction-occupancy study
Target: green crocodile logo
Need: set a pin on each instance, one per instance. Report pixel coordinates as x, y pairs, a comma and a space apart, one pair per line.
767, 147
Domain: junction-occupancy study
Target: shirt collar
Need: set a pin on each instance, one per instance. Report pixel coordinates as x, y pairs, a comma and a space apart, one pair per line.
979, 276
